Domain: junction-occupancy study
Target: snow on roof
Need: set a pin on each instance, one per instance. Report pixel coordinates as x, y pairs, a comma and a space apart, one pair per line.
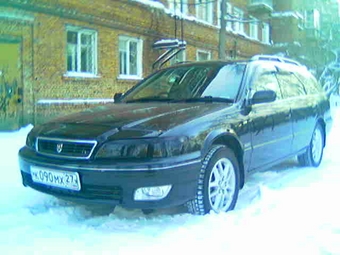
287, 14
15, 15
261, 4
75, 101
172, 12
151, 3
179, 14
286, 44
170, 41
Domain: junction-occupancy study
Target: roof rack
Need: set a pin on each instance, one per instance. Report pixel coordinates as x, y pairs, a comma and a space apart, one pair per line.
275, 58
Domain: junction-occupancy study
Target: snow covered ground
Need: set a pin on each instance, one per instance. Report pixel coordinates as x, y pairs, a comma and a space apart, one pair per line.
286, 210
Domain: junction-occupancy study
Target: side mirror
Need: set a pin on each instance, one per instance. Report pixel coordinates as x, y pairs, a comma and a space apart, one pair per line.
117, 97
263, 96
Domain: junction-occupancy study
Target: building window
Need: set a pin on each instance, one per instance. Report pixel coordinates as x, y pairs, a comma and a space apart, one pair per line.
253, 26
202, 55
204, 10
229, 10
265, 33
229, 14
175, 6
81, 52
179, 57
238, 24
130, 57
312, 19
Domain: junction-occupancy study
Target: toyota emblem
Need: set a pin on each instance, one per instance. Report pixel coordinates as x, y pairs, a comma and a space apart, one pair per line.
59, 147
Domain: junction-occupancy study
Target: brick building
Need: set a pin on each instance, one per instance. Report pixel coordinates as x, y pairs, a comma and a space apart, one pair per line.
59, 56
306, 30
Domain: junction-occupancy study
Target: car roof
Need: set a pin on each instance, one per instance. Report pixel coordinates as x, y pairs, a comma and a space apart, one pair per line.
254, 59
212, 63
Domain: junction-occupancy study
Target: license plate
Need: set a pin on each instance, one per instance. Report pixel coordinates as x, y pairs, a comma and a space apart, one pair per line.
60, 179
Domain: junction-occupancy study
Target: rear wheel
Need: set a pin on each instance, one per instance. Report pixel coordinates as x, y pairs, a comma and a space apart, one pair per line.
218, 183
314, 152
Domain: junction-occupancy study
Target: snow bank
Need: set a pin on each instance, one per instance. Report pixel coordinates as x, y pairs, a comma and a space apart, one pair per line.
286, 210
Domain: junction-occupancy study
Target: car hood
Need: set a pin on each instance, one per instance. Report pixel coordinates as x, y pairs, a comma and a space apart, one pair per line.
126, 120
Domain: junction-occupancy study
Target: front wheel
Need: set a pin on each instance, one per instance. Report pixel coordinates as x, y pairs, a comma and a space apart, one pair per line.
314, 152
218, 183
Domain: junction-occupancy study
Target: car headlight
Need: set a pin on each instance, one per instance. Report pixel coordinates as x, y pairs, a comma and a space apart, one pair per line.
144, 148
31, 141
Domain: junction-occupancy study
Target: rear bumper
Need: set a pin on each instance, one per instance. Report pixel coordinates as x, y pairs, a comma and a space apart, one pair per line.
101, 184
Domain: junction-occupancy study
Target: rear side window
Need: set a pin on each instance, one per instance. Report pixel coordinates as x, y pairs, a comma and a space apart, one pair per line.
311, 84
290, 85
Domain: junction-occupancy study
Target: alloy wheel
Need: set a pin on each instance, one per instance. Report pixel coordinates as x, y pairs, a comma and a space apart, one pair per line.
317, 145
222, 185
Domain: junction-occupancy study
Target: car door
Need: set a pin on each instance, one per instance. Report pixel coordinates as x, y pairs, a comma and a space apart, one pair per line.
303, 107
271, 123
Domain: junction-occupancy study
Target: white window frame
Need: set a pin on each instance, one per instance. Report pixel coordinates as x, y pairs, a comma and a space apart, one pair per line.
254, 28
178, 6
139, 57
265, 33
204, 52
77, 66
208, 7
229, 10
238, 26
312, 19
219, 13
180, 57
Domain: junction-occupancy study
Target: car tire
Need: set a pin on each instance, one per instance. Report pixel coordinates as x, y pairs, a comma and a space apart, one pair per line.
313, 155
218, 182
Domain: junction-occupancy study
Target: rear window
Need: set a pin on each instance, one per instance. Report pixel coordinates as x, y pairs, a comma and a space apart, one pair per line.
311, 84
290, 85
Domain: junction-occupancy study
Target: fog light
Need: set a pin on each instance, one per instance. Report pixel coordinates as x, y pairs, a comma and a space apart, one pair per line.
152, 193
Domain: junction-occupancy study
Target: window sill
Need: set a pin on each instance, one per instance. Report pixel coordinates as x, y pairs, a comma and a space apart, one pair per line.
81, 75
129, 77
205, 22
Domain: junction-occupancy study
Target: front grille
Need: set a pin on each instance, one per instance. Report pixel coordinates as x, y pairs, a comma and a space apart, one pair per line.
65, 148
90, 192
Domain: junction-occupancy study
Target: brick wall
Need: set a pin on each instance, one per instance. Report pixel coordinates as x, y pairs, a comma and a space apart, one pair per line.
44, 47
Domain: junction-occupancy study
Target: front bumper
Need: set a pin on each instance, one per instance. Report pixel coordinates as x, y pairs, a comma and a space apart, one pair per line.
116, 183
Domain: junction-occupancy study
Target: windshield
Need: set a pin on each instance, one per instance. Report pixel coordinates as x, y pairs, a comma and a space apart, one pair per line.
188, 82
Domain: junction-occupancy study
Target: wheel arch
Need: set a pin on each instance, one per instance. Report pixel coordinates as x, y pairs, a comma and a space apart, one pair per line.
229, 139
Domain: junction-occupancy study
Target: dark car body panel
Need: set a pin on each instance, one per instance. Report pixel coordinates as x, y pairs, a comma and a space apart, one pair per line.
260, 135
115, 186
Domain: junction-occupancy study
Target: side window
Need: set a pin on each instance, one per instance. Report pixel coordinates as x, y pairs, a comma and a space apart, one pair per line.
130, 57
202, 55
290, 85
267, 81
81, 51
311, 84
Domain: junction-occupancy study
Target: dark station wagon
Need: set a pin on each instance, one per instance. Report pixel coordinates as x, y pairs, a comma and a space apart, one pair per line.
188, 134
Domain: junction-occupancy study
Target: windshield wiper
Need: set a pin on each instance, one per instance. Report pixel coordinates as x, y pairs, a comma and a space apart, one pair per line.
207, 99
149, 99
